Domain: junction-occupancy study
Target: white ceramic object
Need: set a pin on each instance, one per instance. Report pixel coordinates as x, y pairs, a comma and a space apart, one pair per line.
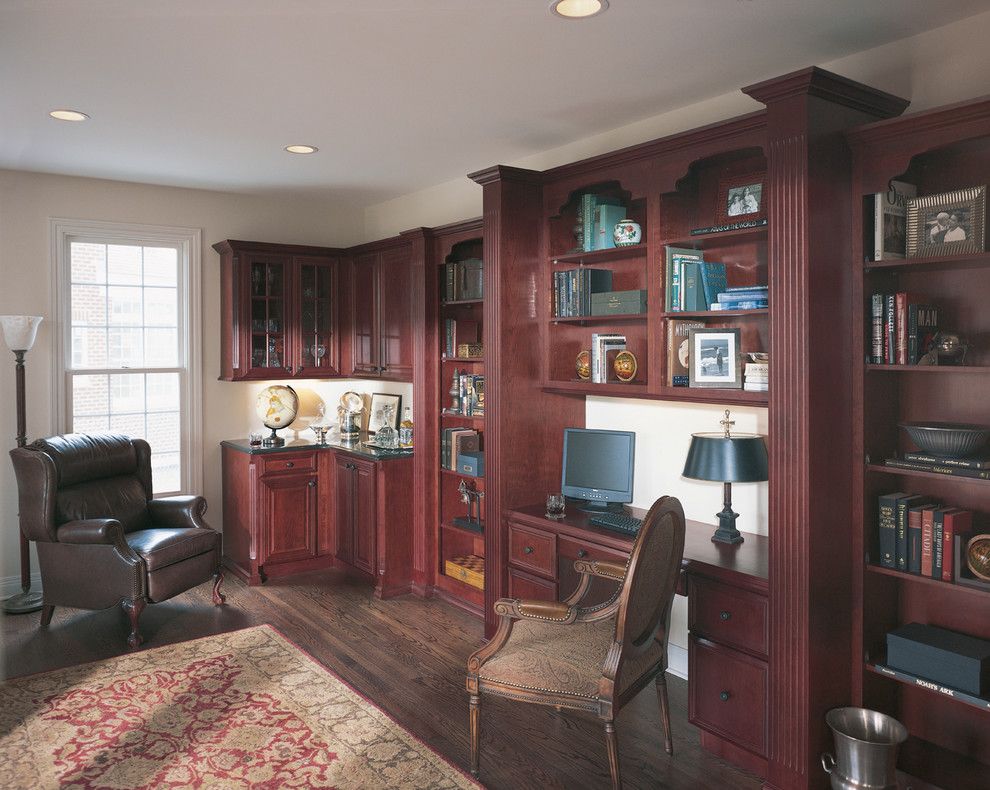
627, 232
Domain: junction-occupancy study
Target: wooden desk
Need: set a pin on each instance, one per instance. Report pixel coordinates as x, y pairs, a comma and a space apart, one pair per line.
728, 595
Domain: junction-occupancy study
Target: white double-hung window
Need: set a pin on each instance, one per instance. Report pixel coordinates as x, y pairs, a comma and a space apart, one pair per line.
127, 299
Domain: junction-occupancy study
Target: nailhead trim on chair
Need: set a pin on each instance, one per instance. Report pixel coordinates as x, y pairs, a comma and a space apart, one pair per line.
535, 688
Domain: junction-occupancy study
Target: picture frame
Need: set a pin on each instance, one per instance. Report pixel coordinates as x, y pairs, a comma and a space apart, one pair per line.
741, 199
949, 223
713, 358
376, 414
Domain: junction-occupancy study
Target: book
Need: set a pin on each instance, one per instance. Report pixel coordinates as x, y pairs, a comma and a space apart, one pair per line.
458, 331
955, 522
674, 258
922, 325
890, 220
461, 441
914, 540
904, 504
938, 536
588, 204
737, 289
601, 345
940, 469
887, 528
755, 387
954, 693
712, 280
472, 280
927, 529
962, 463
890, 329
757, 369
877, 302
694, 295
678, 347
900, 332
607, 216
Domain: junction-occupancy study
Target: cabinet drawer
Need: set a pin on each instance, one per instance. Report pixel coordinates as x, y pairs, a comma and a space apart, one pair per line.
288, 462
569, 551
522, 585
727, 694
728, 615
533, 550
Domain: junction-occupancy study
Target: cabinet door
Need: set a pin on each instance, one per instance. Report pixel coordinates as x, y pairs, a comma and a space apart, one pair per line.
344, 480
314, 337
289, 511
365, 520
266, 281
395, 309
365, 349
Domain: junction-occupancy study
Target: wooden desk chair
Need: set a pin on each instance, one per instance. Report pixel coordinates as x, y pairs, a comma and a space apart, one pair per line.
593, 659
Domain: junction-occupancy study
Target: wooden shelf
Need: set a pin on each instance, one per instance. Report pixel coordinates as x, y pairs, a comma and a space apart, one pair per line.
894, 470
638, 390
467, 531
909, 680
764, 311
939, 767
634, 389
970, 260
704, 395
600, 319
735, 236
450, 416
943, 369
456, 302
601, 256
464, 360
924, 581
454, 473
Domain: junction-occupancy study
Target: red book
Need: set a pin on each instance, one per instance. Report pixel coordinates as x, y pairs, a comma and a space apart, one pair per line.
927, 527
901, 329
955, 522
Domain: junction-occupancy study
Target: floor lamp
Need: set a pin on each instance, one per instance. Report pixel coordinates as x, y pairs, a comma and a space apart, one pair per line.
19, 332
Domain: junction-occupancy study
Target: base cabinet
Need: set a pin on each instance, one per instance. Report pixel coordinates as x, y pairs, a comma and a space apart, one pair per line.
355, 481
289, 508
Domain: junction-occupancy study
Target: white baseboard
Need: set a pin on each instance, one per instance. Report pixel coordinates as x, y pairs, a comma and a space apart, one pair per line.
677, 661
11, 585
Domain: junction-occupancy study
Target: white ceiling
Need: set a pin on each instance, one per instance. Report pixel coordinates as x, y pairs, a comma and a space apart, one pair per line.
397, 94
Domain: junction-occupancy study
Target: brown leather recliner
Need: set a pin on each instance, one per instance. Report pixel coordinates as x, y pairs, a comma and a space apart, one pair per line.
102, 540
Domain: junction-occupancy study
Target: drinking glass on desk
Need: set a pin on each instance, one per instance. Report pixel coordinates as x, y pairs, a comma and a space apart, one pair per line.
555, 506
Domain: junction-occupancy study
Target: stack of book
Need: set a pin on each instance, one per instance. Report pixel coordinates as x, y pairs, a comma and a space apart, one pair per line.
456, 333
572, 290
455, 441
916, 534
596, 220
902, 329
744, 297
691, 283
462, 280
757, 377
603, 345
471, 395
959, 467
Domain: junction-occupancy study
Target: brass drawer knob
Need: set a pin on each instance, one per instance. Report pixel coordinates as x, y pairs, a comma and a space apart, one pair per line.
528, 550
724, 616
289, 464
582, 554
724, 696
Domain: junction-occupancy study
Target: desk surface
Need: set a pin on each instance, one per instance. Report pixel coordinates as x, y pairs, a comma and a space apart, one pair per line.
744, 565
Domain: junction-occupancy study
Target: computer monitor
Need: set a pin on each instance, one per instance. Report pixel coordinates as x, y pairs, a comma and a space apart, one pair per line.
597, 468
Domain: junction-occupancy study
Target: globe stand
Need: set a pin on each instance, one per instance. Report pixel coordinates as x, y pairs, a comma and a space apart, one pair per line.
273, 441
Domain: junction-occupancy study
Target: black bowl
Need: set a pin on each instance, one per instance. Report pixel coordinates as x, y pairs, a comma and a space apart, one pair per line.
948, 439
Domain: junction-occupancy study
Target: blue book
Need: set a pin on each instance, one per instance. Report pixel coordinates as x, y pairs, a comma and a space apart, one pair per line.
606, 218
738, 288
712, 281
694, 296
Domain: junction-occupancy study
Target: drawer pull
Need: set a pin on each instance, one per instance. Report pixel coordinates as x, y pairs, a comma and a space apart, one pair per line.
289, 464
528, 550
723, 616
312, 484
581, 554
724, 696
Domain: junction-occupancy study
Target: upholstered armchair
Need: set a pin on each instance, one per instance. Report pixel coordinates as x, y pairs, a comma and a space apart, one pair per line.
595, 658
102, 540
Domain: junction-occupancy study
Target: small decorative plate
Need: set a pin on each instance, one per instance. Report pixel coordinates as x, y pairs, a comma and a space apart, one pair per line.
352, 402
583, 365
625, 366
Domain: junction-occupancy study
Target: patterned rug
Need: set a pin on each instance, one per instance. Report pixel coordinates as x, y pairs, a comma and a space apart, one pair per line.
244, 709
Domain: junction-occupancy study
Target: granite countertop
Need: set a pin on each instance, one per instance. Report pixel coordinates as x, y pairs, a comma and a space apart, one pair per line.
295, 445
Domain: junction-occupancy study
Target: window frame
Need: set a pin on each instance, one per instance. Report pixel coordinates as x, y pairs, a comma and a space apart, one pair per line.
189, 242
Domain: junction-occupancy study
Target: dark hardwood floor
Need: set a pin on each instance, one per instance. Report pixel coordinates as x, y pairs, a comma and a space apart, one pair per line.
408, 655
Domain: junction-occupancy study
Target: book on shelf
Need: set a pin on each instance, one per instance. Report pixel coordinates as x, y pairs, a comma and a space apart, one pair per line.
901, 547
675, 259
471, 395
887, 528
752, 386
712, 280
573, 289
455, 441
456, 332
589, 216
937, 468
957, 522
914, 540
754, 297
693, 295
962, 463
607, 216
878, 302
603, 344
970, 699
889, 221
678, 349
922, 326
927, 518
463, 280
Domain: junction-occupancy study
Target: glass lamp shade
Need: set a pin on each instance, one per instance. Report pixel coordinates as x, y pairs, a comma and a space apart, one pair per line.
738, 459
19, 331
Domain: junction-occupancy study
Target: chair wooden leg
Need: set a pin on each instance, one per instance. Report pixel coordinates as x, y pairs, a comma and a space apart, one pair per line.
475, 719
668, 741
218, 598
46, 614
133, 610
612, 743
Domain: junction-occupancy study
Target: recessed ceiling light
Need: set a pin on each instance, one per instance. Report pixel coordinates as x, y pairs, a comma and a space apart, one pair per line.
578, 9
68, 115
301, 149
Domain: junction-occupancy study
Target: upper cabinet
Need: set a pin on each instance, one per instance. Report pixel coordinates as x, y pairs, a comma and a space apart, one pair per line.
381, 312
279, 311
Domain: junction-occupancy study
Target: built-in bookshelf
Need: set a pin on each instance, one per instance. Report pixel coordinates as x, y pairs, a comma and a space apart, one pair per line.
460, 332
936, 152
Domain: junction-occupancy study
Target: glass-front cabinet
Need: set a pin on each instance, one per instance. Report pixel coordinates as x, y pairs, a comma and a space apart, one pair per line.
279, 306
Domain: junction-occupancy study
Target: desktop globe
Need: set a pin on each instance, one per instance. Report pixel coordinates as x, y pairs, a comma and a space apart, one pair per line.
978, 556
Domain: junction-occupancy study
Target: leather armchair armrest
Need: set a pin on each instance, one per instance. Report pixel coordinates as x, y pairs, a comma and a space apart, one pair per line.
178, 511
97, 532
546, 611
602, 568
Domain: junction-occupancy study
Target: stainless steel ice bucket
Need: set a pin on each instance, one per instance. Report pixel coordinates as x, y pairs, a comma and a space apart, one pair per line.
866, 744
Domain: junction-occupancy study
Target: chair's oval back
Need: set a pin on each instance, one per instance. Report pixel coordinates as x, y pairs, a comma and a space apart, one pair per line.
651, 577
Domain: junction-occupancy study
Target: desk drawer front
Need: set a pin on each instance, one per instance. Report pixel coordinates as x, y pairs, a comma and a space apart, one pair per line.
533, 550
727, 694
728, 615
278, 463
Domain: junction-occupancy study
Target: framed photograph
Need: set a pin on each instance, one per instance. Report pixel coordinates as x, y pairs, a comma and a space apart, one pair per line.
713, 358
741, 198
376, 415
950, 223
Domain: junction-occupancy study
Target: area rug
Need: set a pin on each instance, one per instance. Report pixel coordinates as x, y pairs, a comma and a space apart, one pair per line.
242, 709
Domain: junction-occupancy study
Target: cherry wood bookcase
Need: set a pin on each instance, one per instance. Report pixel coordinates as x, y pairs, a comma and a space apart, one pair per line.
937, 151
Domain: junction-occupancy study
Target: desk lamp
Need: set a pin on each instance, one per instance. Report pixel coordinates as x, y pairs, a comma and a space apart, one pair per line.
19, 332
727, 459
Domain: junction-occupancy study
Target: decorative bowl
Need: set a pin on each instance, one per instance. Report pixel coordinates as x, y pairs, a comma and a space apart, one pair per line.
583, 365
627, 232
978, 556
625, 366
947, 439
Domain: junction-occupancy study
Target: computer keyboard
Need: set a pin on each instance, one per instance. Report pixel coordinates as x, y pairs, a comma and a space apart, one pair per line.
617, 522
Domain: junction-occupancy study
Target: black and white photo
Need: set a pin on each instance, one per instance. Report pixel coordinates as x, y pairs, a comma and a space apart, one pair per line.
714, 358
741, 199
380, 403
946, 224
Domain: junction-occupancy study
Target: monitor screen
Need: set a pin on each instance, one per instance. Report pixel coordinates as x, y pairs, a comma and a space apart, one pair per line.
598, 465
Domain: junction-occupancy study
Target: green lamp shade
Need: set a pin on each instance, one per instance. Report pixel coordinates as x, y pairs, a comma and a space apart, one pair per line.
737, 459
